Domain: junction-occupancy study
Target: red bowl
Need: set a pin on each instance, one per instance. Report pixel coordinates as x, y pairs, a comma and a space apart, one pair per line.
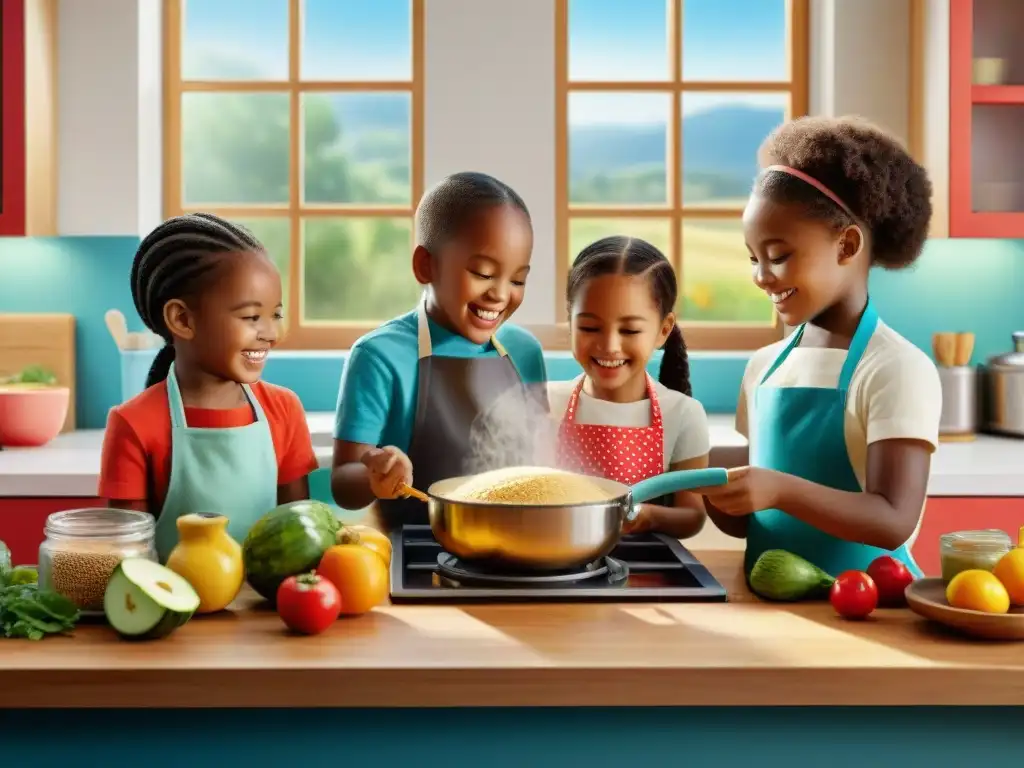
31, 416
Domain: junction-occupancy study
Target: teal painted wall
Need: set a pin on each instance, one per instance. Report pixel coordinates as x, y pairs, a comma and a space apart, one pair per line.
971, 285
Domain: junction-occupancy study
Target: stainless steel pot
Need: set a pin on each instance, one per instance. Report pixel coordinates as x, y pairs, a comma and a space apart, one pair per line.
1003, 388
547, 536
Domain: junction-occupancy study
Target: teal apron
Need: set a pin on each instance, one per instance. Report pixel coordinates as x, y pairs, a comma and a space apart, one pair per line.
231, 471
801, 431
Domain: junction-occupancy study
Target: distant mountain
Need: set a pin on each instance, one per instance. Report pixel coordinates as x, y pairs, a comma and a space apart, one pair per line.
722, 140
365, 112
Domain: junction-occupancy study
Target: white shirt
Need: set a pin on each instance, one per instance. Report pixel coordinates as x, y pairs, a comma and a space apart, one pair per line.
684, 422
895, 391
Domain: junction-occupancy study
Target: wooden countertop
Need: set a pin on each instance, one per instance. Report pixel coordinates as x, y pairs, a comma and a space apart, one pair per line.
739, 653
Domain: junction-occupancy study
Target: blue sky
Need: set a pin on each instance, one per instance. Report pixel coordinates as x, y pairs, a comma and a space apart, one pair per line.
628, 40
342, 39
609, 40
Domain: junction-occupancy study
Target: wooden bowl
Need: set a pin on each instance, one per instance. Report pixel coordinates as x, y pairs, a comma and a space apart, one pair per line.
927, 598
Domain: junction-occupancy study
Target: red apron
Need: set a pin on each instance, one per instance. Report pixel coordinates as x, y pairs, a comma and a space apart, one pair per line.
624, 454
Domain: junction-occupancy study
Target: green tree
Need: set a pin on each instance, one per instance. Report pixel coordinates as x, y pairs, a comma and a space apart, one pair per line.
236, 152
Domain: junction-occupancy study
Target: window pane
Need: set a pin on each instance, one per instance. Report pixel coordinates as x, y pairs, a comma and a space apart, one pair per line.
357, 148
721, 136
582, 232
358, 269
618, 144
735, 40
234, 148
615, 40
234, 40
357, 40
275, 234
717, 280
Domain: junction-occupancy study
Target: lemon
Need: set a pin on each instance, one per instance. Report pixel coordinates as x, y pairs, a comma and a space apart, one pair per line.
978, 590
1010, 571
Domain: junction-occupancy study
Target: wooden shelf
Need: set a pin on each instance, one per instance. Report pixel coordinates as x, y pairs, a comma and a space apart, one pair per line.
997, 94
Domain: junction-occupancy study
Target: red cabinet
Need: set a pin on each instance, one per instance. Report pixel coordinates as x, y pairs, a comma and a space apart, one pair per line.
22, 521
946, 514
12, 117
986, 115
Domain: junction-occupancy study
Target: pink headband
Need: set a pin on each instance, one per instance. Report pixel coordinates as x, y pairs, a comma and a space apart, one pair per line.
814, 183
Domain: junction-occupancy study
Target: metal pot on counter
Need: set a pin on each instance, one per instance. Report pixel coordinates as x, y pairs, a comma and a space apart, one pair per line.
1003, 391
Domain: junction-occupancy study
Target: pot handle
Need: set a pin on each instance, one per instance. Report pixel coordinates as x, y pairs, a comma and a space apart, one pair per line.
679, 480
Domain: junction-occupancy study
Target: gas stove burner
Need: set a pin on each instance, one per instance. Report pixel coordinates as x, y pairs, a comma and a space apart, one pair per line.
641, 567
605, 571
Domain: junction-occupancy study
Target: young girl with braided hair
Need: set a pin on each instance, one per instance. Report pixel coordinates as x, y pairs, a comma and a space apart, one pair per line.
206, 435
617, 422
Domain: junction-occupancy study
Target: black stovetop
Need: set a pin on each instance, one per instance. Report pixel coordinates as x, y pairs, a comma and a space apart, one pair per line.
646, 567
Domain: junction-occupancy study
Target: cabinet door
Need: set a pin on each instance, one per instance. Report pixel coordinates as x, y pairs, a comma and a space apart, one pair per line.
986, 112
944, 514
12, 117
22, 521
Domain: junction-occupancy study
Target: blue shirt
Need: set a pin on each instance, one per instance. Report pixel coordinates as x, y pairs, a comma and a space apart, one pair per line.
377, 399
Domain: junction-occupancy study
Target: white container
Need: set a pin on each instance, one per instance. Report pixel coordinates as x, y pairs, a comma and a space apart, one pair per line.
135, 364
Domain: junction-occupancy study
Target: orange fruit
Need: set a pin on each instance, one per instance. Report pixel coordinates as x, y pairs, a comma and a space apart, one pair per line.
360, 575
1010, 571
977, 590
367, 537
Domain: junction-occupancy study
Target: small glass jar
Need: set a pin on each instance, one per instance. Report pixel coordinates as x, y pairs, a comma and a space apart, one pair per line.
83, 546
967, 550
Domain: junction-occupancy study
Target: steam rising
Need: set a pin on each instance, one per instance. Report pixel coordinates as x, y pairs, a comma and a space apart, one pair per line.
515, 430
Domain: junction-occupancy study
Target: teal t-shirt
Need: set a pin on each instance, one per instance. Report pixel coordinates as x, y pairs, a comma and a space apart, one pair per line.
377, 398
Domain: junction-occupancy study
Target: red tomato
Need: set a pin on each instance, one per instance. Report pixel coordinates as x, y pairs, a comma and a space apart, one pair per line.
308, 604
853, 595
892, 579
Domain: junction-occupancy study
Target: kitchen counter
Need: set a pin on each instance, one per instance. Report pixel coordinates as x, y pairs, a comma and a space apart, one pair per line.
69, 465
741, 653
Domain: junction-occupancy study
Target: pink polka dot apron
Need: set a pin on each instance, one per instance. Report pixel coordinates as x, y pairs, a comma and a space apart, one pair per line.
624, 454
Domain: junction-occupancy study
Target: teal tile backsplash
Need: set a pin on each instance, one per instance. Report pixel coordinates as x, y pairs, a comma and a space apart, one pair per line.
973, 285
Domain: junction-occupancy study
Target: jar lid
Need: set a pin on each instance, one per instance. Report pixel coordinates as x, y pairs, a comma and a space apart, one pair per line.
100, 522
1014, 359
986, 540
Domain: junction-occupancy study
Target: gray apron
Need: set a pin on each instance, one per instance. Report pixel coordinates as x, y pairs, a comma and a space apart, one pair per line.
452, 395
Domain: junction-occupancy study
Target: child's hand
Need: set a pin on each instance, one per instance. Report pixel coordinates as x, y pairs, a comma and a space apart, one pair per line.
642, 523
387, 468
749, 490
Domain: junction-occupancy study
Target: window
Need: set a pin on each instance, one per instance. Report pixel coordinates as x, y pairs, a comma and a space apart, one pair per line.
662, 106
302, 120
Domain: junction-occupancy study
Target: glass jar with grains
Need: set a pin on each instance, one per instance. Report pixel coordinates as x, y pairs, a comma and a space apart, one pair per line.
83, 546
967, 550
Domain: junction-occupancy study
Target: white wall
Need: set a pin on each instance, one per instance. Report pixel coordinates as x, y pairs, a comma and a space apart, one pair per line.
489, 104
108, 116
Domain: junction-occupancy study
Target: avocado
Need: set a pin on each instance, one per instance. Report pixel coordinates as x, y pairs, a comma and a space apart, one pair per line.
781, 575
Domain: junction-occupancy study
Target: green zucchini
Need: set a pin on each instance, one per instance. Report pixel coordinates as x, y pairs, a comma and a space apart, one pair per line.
5, 563
145, 600
781, 575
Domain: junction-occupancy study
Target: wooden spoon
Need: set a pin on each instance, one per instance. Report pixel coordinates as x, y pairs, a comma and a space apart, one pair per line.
944, 348
118, 327
408, 490
964, 349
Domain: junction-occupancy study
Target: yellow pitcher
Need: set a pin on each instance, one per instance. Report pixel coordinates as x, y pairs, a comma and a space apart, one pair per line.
209, 559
